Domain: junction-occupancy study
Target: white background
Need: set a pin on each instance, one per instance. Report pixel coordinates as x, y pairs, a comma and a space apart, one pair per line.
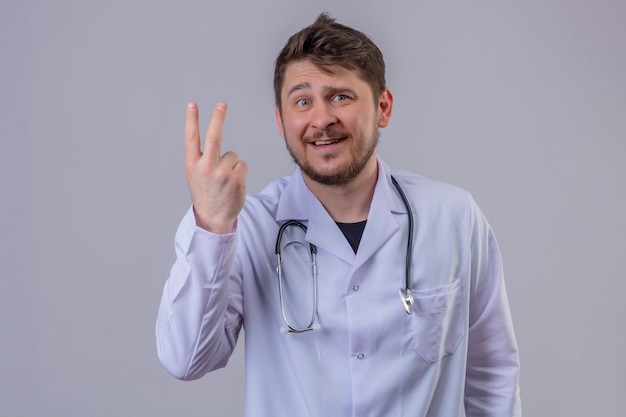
523, 103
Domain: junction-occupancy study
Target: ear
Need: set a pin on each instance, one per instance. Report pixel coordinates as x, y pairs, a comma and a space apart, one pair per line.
385, 107
279, 122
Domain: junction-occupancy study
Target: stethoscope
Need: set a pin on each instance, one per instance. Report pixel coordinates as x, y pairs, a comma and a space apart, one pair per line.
405, 295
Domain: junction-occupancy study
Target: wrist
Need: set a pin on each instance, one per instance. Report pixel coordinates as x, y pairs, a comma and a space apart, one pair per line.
214, 225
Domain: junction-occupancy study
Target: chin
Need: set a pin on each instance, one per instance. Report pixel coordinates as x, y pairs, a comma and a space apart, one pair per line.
339, 176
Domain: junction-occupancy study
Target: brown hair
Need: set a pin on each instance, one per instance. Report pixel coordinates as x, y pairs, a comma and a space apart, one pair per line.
327, 43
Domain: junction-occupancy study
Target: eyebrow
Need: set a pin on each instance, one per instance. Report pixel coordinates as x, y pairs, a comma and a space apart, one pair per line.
298, 87
333, 90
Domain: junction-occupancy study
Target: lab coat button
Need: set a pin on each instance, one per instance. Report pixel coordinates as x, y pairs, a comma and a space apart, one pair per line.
360, 355
355, 288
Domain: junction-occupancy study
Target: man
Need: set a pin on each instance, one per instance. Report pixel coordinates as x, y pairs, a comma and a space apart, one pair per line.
326, 333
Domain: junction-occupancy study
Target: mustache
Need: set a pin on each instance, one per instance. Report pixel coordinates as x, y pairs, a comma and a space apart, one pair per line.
329, 132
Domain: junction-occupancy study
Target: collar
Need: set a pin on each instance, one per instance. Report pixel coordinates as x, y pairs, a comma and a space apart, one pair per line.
297, 202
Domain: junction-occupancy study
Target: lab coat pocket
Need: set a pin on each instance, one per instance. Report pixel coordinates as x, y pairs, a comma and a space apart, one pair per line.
438, 321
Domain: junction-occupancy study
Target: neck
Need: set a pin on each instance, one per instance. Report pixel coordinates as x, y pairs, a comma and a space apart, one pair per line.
350, 202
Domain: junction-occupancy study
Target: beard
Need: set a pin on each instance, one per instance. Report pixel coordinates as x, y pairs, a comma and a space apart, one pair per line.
347, 173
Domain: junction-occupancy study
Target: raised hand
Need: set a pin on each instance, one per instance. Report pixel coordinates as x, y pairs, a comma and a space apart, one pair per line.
217, 182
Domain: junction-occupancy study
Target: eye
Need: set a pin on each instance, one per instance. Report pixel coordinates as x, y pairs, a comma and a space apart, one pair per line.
302, 102
340, 97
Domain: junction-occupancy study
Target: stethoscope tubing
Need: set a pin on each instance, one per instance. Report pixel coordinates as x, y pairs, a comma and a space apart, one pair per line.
313, 251
405, 295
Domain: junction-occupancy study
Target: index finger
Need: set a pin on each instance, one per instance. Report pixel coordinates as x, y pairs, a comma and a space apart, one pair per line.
192, 137
213, 141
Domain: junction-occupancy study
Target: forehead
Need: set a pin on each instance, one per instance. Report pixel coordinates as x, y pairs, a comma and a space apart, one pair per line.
304, 74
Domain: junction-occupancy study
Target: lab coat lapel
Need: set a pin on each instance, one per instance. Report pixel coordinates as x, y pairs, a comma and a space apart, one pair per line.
299, 203
381, 223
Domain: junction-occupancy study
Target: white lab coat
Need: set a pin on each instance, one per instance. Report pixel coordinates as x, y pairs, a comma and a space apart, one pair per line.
455, 355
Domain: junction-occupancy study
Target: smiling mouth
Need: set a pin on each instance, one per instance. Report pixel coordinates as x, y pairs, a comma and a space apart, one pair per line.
327, 142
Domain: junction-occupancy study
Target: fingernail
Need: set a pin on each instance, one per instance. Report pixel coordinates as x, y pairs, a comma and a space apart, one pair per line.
191, 106
221, 106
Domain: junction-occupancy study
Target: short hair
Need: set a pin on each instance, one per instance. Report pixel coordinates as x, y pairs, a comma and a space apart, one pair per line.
327, 43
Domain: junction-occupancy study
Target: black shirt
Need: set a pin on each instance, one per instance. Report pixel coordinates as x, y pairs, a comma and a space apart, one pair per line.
353, 232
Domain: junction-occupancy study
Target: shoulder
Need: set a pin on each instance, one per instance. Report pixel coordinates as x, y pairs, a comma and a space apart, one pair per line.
267, 200
439, 203
427, 192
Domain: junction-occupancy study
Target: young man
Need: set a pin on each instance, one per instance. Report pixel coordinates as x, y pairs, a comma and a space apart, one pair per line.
326, 332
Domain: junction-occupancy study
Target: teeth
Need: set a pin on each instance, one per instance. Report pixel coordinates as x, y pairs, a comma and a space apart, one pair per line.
325, 142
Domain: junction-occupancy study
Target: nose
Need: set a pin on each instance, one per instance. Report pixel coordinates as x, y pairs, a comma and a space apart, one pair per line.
322, 116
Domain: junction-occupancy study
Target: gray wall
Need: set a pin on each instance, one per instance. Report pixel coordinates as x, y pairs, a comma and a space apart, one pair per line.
522, 103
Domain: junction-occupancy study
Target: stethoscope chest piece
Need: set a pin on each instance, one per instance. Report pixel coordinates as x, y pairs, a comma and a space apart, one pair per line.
407, 300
